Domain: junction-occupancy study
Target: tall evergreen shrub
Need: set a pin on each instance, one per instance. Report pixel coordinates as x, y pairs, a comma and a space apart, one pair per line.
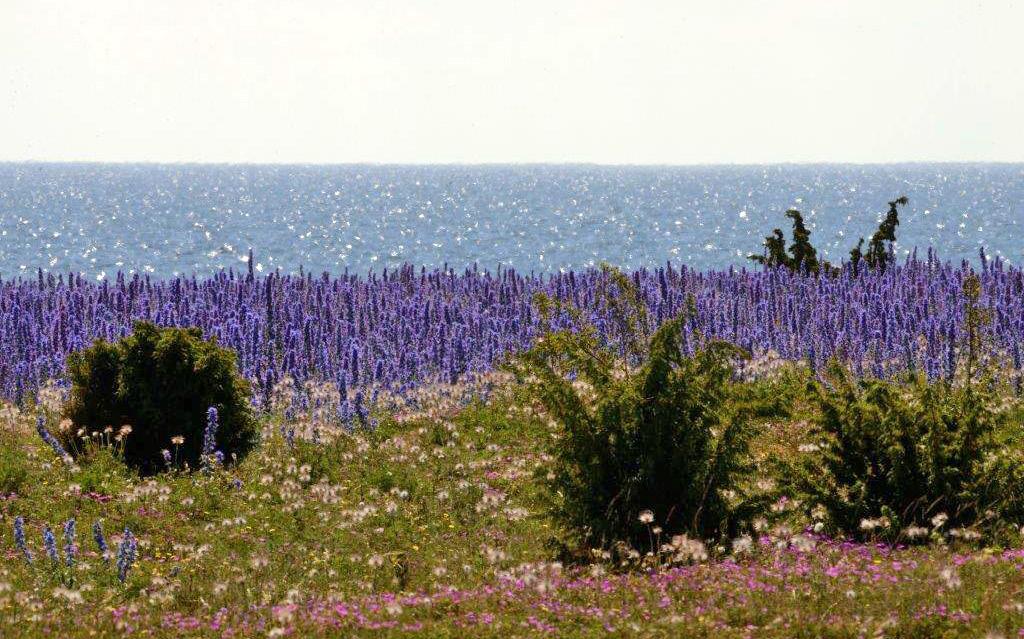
640, 425
160, 382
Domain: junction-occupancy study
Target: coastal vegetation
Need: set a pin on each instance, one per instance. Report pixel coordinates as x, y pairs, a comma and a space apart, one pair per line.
898, 453
165, 384
647, 435
439, 522
662, 453
801, 256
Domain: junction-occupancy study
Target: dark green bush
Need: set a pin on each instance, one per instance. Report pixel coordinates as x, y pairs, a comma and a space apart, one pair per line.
803, 257
879, 253
160, 381
662, 434
898, 456
895, 456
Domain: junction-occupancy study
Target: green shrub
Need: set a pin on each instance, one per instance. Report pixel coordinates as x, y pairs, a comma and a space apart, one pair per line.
895, 456
803, 257
781, 394
160, 381
905, 457
662, 435
879, 253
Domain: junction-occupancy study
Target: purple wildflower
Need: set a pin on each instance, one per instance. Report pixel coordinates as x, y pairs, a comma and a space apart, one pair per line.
210, 437
19, 538
50, 543
69, 543
101, 541
126, 555
50, 439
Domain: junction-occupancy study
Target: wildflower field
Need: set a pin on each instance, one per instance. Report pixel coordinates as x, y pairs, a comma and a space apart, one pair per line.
401, 484
434, 526
397, 330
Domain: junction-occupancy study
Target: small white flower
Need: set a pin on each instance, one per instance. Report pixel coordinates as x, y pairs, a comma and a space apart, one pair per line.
914, 532
950, 577
965, 533
803, 543
742, 544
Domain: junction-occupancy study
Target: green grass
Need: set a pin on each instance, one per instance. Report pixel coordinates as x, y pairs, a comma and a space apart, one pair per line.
436, 526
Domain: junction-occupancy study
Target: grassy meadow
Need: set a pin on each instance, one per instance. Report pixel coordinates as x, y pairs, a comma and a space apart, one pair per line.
435, 523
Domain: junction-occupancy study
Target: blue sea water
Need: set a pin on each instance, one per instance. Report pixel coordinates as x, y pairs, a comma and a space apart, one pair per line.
97, 219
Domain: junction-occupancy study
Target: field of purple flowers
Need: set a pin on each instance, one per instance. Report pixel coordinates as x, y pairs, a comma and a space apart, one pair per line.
397, 330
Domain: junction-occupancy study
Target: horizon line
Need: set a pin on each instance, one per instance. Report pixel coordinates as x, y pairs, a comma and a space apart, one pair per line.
513, 163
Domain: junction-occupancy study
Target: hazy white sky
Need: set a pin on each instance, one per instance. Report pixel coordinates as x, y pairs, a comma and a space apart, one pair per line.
484, 81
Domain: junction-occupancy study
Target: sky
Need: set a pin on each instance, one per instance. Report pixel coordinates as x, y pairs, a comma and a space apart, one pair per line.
475, 81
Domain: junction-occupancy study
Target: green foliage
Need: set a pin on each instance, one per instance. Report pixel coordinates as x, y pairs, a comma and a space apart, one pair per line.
897, 456
975, 319
879, 254
102, 471
663, 435
780, 395
160, 381
805, 256
802, 255
211, 546
13, 466
774, 251
856, 255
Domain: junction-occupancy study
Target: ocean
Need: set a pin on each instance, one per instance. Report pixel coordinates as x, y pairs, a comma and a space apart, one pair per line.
97, 219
